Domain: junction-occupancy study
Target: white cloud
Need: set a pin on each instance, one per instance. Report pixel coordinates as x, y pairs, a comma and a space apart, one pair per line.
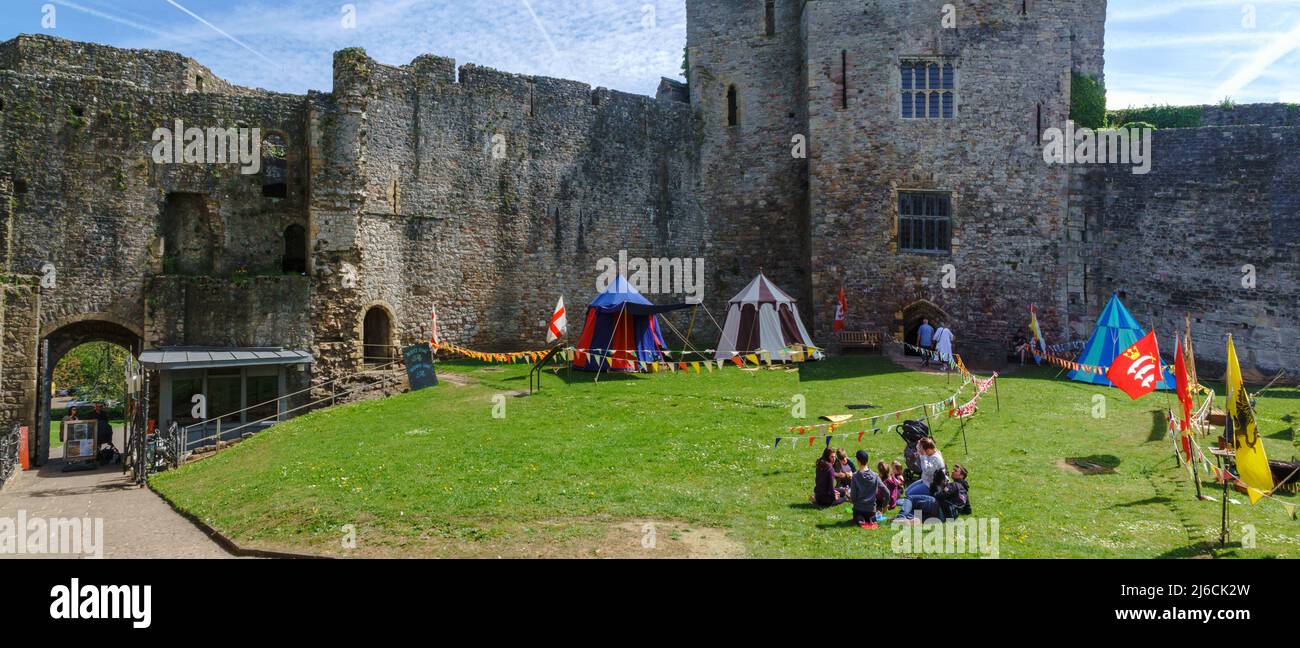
1279, 47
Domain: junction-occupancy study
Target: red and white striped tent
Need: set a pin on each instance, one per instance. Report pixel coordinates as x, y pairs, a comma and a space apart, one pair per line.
763, 318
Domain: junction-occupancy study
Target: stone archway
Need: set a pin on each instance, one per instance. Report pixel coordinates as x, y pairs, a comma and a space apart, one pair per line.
66, 335
60, 337
909, 319
377, 334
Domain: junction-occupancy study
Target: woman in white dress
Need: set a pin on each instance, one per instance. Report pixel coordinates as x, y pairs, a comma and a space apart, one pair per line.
943, 340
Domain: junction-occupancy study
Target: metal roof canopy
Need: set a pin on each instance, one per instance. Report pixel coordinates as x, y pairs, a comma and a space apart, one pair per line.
178, 358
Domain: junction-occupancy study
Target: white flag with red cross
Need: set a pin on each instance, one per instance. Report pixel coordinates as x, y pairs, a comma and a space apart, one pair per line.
559, 322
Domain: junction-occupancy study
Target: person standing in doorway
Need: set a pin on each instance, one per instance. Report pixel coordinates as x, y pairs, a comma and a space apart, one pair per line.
943, 341
103, 427
925, 340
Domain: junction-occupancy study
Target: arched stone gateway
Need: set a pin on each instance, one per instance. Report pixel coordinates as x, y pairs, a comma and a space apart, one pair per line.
908, 321
97, 327
57, 339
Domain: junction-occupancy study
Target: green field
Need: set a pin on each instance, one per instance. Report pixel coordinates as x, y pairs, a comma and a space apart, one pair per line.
581, 469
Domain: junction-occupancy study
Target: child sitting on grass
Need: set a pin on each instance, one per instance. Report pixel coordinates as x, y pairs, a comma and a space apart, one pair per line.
844, 468
892, 483
863, 491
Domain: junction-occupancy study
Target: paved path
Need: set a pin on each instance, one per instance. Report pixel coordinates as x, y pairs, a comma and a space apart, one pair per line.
137, 523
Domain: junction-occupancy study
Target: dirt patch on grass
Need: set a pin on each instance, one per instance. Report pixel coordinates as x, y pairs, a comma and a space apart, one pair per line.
457, 379
660, 539
627, 539
1083, 467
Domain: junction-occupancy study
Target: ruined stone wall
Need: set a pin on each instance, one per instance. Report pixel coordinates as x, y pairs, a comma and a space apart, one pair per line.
272, 311
155, 70
1175, 242
18, 351
1274, 114
1008, 206
490, 196
753, 189
89, 198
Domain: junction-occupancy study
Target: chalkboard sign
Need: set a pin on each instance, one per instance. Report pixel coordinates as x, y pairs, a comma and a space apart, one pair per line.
419, 367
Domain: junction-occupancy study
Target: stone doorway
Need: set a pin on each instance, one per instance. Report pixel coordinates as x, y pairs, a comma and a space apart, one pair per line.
910, 320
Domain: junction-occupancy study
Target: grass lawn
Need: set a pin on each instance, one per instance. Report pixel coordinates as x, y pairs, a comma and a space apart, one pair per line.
581, 468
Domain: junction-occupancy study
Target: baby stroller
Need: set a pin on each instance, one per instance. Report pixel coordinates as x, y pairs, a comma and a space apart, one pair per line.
912, 433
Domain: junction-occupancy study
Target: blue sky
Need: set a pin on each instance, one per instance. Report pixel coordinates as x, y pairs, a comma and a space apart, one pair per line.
1158, 51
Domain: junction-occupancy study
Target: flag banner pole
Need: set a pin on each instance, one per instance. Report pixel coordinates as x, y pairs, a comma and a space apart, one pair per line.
964, 445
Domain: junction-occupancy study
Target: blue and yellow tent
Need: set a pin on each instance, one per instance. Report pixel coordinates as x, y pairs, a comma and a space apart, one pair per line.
1116, 331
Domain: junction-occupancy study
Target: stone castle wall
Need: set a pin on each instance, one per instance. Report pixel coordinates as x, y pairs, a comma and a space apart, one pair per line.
489, 195
90, 200
1176, 241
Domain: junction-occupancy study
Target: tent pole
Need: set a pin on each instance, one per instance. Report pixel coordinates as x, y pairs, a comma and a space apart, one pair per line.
609, 360
690, 329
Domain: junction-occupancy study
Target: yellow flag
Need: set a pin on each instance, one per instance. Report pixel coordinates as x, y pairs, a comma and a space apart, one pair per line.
753, 359
1252, 461
695, 366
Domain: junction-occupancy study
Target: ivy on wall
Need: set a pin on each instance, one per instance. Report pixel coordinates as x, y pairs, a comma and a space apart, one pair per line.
1087, 101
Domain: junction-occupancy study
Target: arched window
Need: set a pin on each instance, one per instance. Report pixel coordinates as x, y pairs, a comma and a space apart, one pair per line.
295, 250
733, 108
275, 167
377, 336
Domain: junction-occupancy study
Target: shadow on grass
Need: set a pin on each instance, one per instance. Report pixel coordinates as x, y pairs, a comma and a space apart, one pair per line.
1094, 464
847, 367
1203, 549
1159, 427
842, 524
1150, 501
1282, 435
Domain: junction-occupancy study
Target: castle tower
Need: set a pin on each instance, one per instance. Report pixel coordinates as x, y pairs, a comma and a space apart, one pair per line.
747, 94
928, 194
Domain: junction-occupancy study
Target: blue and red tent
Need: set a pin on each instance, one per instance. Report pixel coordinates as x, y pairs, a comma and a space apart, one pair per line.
1116, 331
622, 329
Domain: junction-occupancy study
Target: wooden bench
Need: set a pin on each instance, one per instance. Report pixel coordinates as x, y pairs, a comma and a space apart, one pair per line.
860, 340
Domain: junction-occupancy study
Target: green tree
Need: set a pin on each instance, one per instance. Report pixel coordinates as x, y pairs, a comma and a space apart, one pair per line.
96, 369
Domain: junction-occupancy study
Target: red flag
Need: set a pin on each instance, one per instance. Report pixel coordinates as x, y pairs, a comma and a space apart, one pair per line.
841, 311
1136, 371
1184, 396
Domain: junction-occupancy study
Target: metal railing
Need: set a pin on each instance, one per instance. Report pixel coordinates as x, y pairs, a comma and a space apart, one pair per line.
185, 443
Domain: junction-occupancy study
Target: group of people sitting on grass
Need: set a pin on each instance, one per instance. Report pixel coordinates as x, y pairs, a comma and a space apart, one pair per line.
936, 493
